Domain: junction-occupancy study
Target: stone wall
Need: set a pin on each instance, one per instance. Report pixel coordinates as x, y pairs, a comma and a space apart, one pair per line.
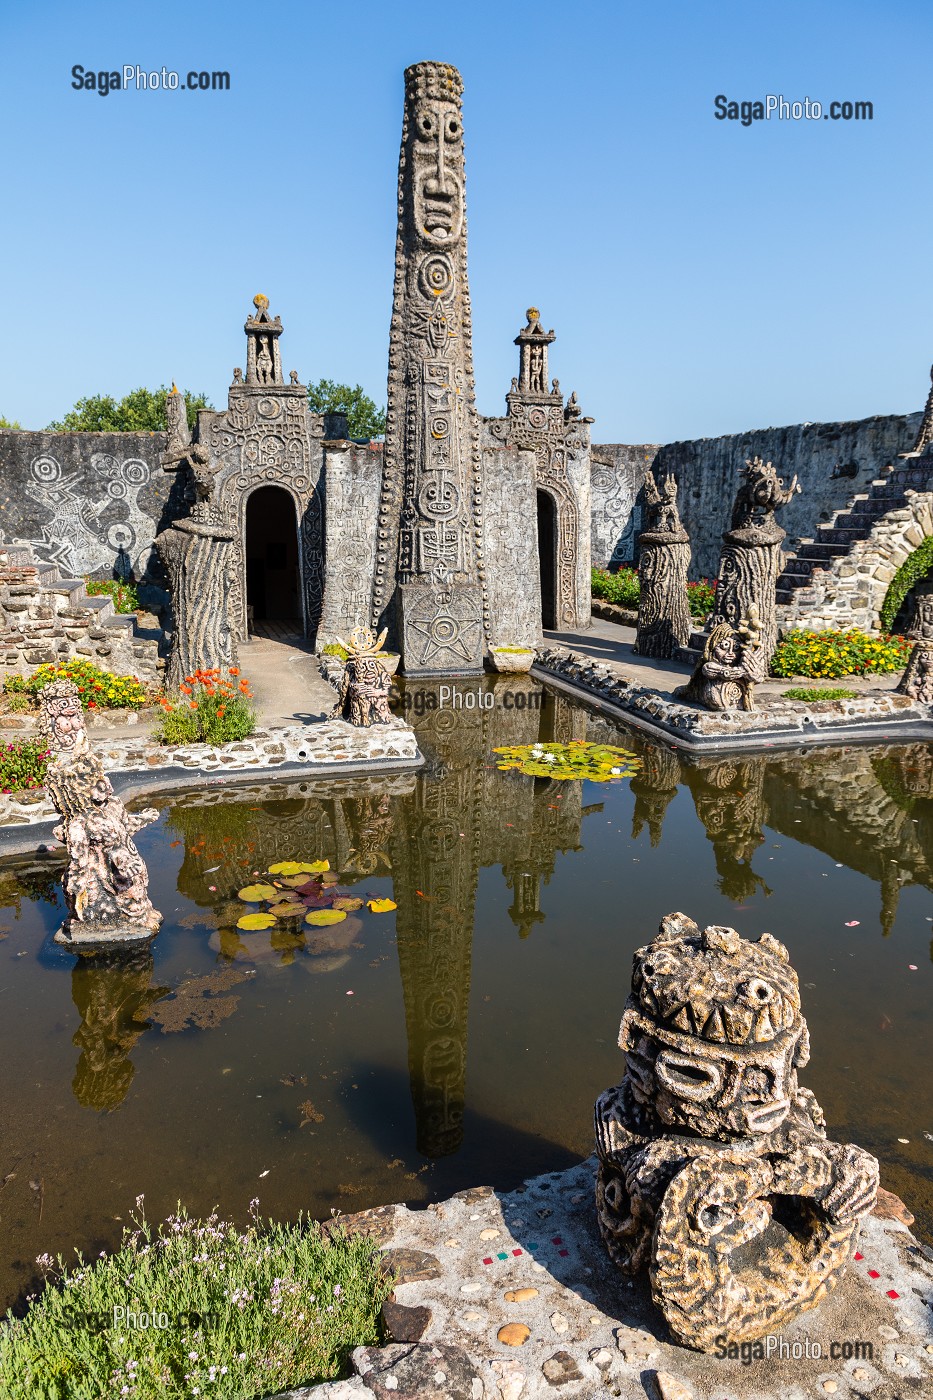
833, 461
351, 485
510, 546
91, 503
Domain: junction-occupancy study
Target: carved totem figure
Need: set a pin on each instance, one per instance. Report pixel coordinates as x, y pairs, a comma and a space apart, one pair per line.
430, 523
917, 680
751, 558
664, 556
725, 676
365, 683
106, 883
714, 1167
199, 555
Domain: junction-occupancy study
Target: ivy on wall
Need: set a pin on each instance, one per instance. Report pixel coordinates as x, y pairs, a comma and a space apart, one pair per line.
911, 571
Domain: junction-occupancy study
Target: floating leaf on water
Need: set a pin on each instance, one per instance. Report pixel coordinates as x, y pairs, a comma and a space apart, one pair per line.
309, 1114
287, 909
381, 906
314, 867
599, 763
296, 882
255, 921
325, 916
349, 902
286, 867
255, 894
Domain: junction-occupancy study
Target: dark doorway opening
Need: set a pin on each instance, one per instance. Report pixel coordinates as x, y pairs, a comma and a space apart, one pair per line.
547, 558
273, 580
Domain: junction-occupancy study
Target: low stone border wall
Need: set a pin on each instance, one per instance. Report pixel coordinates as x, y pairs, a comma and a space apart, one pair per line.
875, 715
614, 612
512, 1296
329, 748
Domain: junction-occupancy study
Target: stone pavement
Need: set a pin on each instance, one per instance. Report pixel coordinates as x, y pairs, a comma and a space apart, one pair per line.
512, 1297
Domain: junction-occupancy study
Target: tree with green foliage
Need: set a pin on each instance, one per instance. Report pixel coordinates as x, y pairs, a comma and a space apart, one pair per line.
364, 419
142, 411
9, 425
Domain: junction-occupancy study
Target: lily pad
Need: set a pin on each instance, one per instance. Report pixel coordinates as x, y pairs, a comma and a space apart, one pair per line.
315, 867
255, 894
256, 921
287, 909
599, 763
325, 916
295, 882
381, 906
286, 867
348, 902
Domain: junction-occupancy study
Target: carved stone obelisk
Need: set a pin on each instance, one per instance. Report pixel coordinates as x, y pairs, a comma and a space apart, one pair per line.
663, 559
752, 558
430, 587
198, 553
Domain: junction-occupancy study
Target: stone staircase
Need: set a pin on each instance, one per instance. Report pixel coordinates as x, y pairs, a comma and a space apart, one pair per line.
45, 618
855, 522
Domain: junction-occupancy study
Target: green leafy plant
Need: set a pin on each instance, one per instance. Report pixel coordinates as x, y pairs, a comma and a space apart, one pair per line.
597, 762
141, 411
623, 587
913, 569
828, 655
10, 425
701, 595
248, 1312
816, 694
98, 690
124, 596
213, 707
334, 649
23, 764
364, 419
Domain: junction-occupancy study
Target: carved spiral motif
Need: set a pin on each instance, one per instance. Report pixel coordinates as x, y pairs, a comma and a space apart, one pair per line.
135, 472
269, 408
46, 469
436, 276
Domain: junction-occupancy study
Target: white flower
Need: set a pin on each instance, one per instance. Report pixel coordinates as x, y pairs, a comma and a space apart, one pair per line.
549, 758
615, 770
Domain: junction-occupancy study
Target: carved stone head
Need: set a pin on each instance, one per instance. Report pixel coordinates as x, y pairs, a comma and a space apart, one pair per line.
433, 148
713, 1032
62, 721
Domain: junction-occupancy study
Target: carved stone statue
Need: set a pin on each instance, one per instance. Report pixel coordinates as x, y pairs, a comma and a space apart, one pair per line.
725, 676
106, 884
917, 680
365, 683
664, 556
431, 516
751, 558
198, 553
714, 1167
264, 361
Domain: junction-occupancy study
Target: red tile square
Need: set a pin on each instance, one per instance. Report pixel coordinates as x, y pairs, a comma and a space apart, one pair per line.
487, 1261
563, 1252
892, 1293
873, 1273
858, 1256
516, 1251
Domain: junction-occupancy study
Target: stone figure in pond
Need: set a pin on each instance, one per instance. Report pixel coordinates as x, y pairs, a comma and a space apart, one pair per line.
752, 558
715, 1172
917, 680
199, 555
725, 675
365, 683
664, 556
106, 883
430, 575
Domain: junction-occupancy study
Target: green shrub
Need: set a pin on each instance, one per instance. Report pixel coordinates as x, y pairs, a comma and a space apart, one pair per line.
124, 596
334, 649
620, 587
99, 690
701, 595
801, 693
250, 1312
212, 708
828, 655
911, 571
22, 765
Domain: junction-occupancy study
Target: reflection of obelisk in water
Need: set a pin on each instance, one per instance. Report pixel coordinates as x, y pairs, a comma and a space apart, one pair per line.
654, 787
435, 870
430, 521
112, 993
729, 799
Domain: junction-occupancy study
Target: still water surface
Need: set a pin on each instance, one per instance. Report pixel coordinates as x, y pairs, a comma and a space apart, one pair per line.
484, 1011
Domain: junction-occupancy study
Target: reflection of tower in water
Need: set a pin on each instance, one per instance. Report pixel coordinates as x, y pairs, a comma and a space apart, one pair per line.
113, 993
654, 786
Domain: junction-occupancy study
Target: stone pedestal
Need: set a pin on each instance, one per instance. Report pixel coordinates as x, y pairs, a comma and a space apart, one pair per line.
663, 614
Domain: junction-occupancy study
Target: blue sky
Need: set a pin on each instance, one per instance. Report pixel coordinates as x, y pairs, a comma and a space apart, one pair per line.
702, 277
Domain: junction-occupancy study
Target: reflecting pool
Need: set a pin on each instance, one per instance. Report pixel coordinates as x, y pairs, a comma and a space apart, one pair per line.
463, 1037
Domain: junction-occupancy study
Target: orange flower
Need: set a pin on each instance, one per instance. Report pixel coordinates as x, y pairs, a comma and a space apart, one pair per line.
234, 670
221, 711
192, 705
185, 689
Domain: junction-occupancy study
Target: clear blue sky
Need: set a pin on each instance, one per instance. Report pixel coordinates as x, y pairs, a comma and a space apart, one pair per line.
702, 277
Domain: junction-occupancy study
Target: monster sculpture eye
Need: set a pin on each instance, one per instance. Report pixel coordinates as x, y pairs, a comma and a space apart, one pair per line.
756, 992
687, 1078
426, 122
452, 128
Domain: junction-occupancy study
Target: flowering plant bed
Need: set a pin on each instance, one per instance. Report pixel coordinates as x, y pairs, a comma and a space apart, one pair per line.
213, 707
623, 587
124, 596
97, 689
23, 765
829, 655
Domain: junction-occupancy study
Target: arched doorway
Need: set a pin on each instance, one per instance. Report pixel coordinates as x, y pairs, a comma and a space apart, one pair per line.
273, 579
547, 557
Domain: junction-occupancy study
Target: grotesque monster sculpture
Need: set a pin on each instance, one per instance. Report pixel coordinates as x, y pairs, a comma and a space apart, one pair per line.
365, 684
725, 676
917, 680
106, 883
714, 1167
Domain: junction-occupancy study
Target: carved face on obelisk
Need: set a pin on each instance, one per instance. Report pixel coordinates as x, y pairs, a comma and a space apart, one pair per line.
430, 575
